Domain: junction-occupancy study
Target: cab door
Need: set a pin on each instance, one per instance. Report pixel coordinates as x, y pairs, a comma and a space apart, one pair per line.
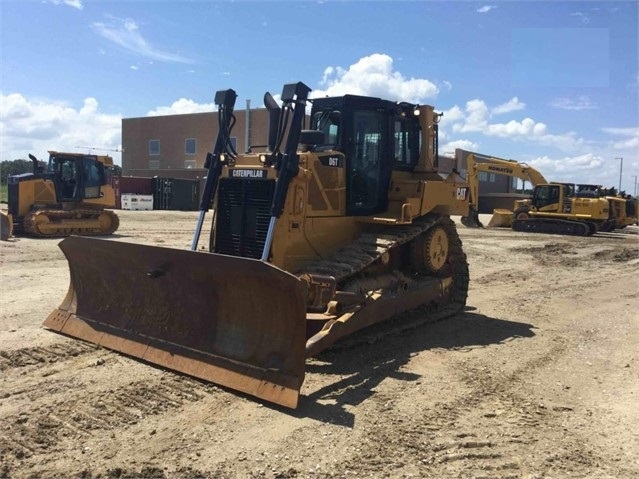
368, 163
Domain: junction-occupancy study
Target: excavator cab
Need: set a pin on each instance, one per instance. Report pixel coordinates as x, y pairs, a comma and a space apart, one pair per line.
546, 197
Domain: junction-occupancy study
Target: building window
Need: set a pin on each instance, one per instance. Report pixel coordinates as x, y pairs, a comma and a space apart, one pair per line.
189, 164
154, 147
154, 164
190, 146
483, 176
233, 143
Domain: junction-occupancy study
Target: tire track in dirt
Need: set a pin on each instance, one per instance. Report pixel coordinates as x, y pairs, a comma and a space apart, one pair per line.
63, 415
42, 356
50, 400
442, 439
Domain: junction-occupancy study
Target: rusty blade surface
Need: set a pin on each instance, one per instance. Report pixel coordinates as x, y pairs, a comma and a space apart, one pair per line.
233, 321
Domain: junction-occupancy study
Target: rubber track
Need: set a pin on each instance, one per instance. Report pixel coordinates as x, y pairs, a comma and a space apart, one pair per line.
353, 259
551, 226
30, 227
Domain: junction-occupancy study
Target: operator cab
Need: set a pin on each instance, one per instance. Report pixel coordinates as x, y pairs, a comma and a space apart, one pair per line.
544, 195
376, 136
75, 177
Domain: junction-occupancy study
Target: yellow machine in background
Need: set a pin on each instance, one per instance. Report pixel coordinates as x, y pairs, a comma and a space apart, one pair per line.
499, 166
347, 225
560, 208
69, 197
623, 208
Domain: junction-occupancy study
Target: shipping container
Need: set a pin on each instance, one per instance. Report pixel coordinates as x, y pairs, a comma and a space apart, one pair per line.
130, 184
137, 202
176, 194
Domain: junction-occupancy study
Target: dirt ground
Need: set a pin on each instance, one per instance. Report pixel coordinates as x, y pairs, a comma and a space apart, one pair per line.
539, 378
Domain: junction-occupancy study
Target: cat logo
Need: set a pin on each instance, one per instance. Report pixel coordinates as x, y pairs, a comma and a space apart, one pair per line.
461, 193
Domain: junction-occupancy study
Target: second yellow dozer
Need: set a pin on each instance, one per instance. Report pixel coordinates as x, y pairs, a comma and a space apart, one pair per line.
349, 225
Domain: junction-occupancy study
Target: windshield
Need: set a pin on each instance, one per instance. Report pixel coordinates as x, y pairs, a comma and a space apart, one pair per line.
328, 122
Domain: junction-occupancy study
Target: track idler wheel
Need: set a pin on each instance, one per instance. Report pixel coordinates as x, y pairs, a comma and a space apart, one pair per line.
429, 251
522, 213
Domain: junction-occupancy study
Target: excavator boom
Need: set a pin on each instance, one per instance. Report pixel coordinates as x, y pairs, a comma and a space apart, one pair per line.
499, 166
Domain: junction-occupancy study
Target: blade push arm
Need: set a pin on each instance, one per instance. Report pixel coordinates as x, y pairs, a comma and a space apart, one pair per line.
294, 96
225, 100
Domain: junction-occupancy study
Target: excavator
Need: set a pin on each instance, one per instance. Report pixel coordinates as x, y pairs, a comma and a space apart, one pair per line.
554, 208
499, 166
557, 208
331, 229
68, 197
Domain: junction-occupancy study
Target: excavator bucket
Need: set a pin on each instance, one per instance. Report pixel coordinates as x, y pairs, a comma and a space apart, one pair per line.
501, 219
237, 322
472, 220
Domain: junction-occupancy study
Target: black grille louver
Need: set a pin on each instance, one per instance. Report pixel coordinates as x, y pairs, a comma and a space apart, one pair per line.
13, 198
242, 217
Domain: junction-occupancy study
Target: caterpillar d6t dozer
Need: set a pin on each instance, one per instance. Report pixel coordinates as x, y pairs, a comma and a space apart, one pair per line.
69, 196
346, 225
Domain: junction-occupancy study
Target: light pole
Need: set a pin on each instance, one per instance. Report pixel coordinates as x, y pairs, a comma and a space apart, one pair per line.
635, 177
620, 170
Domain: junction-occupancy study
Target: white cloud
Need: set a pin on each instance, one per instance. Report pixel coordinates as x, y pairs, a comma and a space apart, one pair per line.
486, 8
581, 103
630, 140
527, 127
448, 149
632, 131
35, 126
511, 105
564, 169
374, 76
71, 3
125, 33
182, 106
451, 115
475, 118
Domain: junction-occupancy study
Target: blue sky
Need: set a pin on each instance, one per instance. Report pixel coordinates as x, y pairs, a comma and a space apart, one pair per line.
553, 84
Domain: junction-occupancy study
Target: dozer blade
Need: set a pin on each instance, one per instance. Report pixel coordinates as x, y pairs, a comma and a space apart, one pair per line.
6, 226
236, 322
501, 219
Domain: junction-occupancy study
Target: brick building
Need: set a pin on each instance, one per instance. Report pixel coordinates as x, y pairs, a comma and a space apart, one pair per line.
175, 146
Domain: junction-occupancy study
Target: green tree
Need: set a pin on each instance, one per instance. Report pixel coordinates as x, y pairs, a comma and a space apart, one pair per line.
16, 167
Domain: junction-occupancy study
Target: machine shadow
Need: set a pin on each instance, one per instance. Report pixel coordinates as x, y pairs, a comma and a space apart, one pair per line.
363, 366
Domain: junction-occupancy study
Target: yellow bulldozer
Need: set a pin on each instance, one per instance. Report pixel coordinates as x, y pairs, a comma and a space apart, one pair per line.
329, 230
67, 197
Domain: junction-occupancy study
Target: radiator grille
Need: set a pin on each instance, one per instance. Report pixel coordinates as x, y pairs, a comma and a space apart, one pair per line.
243, 215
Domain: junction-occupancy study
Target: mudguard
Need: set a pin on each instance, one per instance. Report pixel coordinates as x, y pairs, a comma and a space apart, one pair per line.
236, 322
